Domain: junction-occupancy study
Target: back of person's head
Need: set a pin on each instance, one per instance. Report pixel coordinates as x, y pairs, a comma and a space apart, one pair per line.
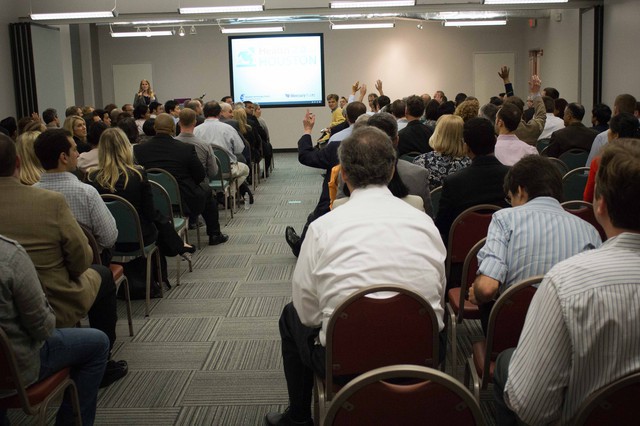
240, 115
49, 145
561, 104
537, 175
100, 113
602, 113
153, 107
354, 110
618, 182
397, 108
164, 124
468, 109
447, 136
48, 115
95, 131
228, 99
115, 114
431, 110
362, 121
478, 133
415, 106
10, 124
72, 110
552, 92
625, 103
460, 98
192, 104
385, 122
170, 105
115, 159
510, 116
130, 128
34, 125
23, 122
367, 157
140, 111
549, 104
30, 167
211, 109
496, 100
489, 112
514, 100
383, 101
187, 118
576, 110
148, 127
624, 125
446, 107
7, 156
110, 107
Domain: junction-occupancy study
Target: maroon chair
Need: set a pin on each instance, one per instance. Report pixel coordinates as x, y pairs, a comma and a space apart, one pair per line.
34, 399
615, 403
505, 325
584, 211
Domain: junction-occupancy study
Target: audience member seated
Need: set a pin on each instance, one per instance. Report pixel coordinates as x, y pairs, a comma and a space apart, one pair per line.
50, 118
600, 116
336, 116
480, 183
129, 127
267, 148
90, 158
41, 221
581, 331
397, 243
430, 114
41, 349
140, 115
623, 103
415, 136
11, 127
530, 238
448, 155
30, 167
552, 123
489, 111
73, 110
509, 149
353, 110
76, 125
574, 136
527, 131
467, 109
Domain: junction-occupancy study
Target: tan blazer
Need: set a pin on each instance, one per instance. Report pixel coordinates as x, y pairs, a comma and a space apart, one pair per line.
41, 221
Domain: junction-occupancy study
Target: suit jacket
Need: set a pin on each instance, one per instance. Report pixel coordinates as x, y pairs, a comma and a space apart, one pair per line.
416, 178
480, 183
179, 159
414, 138
41, 221
326, 159
575, 135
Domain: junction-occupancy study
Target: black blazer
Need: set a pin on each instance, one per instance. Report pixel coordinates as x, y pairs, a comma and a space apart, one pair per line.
326, 159
480, 183
414, 138
575, 135
180, 159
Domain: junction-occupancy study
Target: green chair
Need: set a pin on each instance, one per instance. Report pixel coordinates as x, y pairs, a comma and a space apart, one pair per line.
218, 184
225, 169
130, 232
542, 144
436, 194
574, 182
574, 158
561, 165
162, 202
409, 156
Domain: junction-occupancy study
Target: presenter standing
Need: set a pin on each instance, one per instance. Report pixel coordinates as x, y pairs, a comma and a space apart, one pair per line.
145, 94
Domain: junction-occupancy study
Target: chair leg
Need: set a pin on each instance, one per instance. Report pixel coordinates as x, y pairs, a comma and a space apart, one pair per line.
185, 236
159, 270
454, 339
127, 296
148, 295
178, 260
470, 370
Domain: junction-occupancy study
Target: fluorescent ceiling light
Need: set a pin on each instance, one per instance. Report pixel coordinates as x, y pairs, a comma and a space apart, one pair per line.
356, 4
158, 22
222, 9
142, 34
475, 23
477, 15
524, 1
362, 26
252, 30
72, 15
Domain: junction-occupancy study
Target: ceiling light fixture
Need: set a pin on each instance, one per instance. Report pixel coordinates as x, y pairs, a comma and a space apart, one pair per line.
362, 26
148, 33
252, 30
524, 1
369, 4
73, 15
181, 31
475, 23
192, 31
221, 9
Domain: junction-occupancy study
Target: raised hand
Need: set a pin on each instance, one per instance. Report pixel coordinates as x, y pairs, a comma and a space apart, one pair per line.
504, 74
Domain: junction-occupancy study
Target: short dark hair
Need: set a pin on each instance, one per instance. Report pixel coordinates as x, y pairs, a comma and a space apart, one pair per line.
7, 156
537, 175
170, 106
446, 107
211, 109
496, 100
552, 92
478, 133
72, 110
130, 128
333, 96
602, 113
49, 145
110, 107
431, 110
549, 104
460, 97
224, 98
10, 124
510, 115
153, 106
397, 108
385, 122
625, 103
618, 182
48, 115
561, 104
187, 117
95, 131
383, 101
576, 110
149, 127
367, 157
140, 111
415, 106
625, 125
354, 110
515, 100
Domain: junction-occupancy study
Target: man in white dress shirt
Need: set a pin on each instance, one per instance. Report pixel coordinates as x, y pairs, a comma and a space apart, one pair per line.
581, 331
391, 242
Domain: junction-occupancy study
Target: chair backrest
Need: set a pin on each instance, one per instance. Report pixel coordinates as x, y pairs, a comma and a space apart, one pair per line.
93, 244
428, 397
542, 144
170, 184
224, 161
436, 194
10, 379
584, 211
409, 156
161, 200
574, 158
469, 273
466, 230
573, 183
507, 317
614, 403
562, 167
365, 333
127, 222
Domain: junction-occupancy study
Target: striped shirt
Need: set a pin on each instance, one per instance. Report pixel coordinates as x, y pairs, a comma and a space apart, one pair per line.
530, 239
582, 332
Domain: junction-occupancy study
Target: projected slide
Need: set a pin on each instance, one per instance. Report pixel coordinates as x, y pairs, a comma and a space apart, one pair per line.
277, 71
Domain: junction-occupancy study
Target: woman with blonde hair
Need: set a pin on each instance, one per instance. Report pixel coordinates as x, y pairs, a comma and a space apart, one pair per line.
117, 174
249, 134
30, 167
448, 155
145, 94
76, 125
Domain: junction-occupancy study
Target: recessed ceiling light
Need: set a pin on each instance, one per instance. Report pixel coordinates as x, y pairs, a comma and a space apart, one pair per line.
147, 33
357, 4
251, 30
362, 26
221, 9
72, 15
486, 22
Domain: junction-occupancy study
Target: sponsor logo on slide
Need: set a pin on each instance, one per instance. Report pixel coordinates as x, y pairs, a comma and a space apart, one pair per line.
245, 58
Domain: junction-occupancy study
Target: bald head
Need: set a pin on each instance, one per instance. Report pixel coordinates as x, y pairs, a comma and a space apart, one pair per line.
164, 124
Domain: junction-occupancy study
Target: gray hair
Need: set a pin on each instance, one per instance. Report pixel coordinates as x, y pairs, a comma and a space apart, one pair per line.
489, 112
367, 157
360, 122
385, 122
225, 106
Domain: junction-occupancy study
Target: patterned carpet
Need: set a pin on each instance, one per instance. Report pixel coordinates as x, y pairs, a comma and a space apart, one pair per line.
209, 354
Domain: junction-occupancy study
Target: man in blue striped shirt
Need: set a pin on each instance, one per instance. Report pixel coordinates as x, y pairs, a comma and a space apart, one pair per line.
531, 237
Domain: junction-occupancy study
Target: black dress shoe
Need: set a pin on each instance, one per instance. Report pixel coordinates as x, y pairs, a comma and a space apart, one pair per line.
115, 370
292, 237
284, 419
214, 240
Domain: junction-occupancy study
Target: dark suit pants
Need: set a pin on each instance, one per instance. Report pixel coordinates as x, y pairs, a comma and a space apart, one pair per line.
103, 313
